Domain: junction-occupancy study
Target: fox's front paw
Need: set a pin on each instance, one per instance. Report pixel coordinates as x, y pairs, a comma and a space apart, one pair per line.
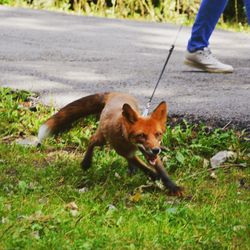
132, 169
176, 191
85, 164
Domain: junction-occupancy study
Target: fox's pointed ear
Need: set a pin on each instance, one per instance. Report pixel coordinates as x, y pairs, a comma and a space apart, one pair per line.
160, 113
129, 114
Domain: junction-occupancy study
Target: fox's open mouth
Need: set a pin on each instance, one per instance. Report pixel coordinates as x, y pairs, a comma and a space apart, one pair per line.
150, 157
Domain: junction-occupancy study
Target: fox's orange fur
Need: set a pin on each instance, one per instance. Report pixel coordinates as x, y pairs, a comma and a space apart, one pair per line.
122, 126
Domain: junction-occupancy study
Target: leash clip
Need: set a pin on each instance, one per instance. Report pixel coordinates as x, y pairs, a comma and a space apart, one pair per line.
145, 112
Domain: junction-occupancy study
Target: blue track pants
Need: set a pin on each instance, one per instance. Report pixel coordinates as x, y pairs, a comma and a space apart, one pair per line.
206, 20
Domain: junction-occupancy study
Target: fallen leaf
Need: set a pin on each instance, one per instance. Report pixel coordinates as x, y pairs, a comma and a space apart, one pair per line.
4, 220
213, 175
71, 206
239, 227
136, 197
38, 216
205, 163
160, 185
61, 180
25, 104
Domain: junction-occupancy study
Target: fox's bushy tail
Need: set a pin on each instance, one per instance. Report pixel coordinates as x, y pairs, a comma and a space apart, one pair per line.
92, 104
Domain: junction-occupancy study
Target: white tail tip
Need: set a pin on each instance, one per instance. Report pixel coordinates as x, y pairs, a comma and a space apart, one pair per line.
44, 132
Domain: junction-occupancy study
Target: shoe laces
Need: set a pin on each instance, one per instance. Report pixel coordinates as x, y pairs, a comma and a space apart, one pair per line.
206, 52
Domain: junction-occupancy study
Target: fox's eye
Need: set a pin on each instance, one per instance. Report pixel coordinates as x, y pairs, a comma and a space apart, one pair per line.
141, 136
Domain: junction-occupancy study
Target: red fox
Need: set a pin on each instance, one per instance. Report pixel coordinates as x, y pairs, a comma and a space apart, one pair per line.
122, 126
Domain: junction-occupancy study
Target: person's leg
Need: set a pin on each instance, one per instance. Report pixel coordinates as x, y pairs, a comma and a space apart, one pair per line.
247, 5
205, 22
198, 54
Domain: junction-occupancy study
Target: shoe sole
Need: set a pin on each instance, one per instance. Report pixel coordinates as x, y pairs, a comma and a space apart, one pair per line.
202, 67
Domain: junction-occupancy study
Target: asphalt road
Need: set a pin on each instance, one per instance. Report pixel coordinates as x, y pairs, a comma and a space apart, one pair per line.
64, 57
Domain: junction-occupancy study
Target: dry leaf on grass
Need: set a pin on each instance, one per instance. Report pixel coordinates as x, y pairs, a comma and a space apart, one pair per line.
71, 206
136, 197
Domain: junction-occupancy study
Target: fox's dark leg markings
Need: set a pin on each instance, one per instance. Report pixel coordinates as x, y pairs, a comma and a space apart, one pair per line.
96, 140
132, 168
168, 183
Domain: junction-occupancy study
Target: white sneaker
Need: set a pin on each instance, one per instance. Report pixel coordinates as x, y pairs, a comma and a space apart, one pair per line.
204, 59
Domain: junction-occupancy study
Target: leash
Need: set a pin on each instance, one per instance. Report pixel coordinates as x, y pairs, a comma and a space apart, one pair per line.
145, 112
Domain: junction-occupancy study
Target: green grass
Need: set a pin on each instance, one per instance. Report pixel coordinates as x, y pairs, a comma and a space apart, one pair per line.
117, 211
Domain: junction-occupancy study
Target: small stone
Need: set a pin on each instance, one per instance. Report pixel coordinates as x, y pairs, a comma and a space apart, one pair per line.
31, 141
213, 176
111, 207
117, 176
220, 158
74, 213
83, 190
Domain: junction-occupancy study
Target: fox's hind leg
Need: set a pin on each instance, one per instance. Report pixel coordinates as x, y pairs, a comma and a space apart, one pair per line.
96, 140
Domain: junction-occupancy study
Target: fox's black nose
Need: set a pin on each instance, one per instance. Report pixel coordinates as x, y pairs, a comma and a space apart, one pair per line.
156, 150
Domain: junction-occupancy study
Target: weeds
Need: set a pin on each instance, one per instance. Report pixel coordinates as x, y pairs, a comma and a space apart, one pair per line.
151, 10
46, 201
